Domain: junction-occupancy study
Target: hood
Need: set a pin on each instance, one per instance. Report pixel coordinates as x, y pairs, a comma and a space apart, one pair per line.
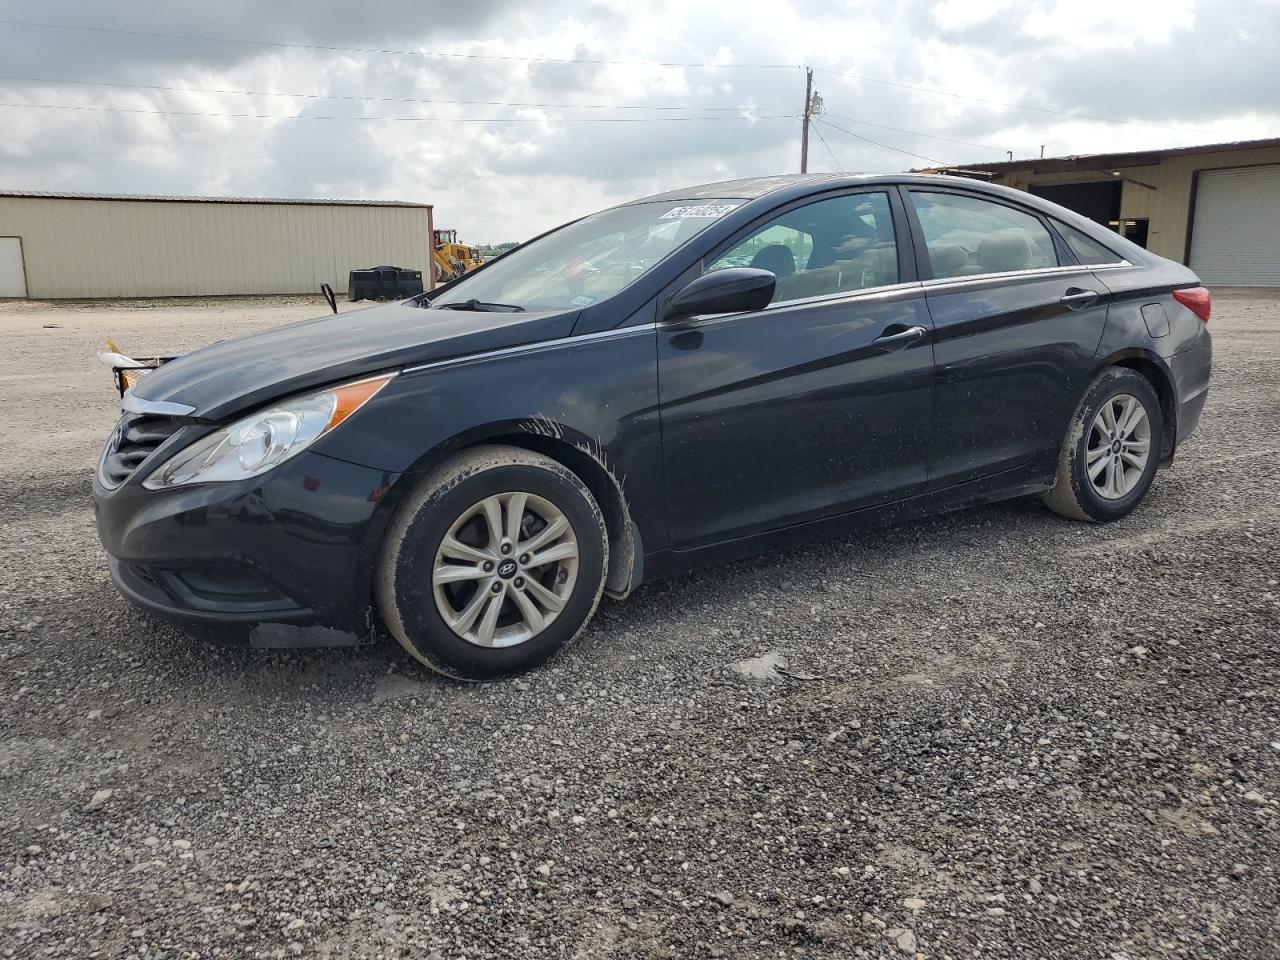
234, 375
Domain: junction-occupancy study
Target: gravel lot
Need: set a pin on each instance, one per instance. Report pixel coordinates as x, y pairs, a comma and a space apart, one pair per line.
996, 734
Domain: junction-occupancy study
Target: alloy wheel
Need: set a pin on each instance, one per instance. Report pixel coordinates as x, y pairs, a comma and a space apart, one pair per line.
1119, 446
505, 569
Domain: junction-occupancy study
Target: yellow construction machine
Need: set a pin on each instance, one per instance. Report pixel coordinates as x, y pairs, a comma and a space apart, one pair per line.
451, 259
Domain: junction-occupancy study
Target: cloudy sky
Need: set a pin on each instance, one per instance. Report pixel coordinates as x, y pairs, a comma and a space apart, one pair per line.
576, 106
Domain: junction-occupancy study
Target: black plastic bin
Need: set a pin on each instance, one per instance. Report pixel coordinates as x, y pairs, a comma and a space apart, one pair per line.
383, 283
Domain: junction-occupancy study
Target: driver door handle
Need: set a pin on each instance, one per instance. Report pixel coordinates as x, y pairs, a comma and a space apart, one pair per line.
896, 341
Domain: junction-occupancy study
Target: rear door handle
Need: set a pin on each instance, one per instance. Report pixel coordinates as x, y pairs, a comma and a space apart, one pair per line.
896, 341
1076, 297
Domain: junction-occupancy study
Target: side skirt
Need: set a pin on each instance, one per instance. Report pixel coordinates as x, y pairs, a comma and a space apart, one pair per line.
1004, 486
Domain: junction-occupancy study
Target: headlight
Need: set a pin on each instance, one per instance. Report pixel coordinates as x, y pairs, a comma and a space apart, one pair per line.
266, 439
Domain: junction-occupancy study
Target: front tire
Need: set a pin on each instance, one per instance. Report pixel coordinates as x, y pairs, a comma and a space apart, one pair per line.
1112, 449
493, 564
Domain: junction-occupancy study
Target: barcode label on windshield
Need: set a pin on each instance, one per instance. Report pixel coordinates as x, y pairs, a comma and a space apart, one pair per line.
699, 211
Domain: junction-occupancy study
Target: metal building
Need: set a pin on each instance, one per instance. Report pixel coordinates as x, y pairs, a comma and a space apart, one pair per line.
56, 245
1214, 207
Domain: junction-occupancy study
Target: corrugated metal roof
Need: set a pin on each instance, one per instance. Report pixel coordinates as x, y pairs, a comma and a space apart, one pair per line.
60, 195
1099, 160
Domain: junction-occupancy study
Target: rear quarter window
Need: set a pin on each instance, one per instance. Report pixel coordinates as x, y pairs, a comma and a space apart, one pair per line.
1087, 250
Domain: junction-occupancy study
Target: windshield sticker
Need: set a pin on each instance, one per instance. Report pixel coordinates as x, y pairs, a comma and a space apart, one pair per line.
582, 301
701, 211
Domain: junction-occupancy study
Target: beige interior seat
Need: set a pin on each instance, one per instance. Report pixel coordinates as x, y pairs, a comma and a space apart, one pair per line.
1004, 251
951, 260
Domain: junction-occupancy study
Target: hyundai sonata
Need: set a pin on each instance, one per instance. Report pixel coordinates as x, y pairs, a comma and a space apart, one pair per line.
713, 372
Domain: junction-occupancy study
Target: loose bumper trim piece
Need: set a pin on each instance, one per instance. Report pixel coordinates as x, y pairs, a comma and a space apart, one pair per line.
156, 408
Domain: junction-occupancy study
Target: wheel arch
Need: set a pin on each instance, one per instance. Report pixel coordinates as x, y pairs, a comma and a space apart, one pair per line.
590, 464
1156, 372
575, 451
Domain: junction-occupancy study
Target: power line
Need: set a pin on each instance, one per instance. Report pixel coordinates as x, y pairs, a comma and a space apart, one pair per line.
485, 103
830, 152
590, 60
1003, 103
929, 136
884, 146
334, 96
275, 116
407, 53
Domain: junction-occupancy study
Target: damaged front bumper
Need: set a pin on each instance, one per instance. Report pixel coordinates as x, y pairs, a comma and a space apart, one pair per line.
286, 558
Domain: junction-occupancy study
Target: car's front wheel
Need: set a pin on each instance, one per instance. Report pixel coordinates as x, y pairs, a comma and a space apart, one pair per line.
1112, 449
493, 564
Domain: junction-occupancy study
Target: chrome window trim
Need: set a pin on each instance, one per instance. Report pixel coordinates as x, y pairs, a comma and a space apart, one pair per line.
616, 333
1070, 268
157, 408
869, 293
885, 292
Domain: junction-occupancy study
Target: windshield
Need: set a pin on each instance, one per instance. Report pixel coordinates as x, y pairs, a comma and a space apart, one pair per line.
586, 261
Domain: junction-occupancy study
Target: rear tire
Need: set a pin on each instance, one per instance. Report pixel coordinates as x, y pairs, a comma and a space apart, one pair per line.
493, 564
1112, 449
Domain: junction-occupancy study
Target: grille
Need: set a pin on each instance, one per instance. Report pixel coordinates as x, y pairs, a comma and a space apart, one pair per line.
134, 439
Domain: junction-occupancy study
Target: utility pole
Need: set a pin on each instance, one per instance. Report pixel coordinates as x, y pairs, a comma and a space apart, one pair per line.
808, 110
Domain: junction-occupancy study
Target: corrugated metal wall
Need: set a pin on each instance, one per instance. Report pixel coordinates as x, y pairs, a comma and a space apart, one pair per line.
148, 248
1168, 205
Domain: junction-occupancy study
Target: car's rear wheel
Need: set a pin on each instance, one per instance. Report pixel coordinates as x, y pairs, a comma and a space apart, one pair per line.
493, 564
1112, 449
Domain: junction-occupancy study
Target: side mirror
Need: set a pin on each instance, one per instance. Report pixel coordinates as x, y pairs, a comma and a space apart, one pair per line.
732, 290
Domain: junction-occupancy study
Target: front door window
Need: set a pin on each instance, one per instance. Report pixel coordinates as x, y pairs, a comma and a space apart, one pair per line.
832, 246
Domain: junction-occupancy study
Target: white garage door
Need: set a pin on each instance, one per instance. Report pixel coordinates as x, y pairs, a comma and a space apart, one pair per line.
13, 282
1235, 236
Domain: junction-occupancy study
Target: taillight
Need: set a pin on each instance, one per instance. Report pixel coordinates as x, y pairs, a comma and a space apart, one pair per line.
1195, 299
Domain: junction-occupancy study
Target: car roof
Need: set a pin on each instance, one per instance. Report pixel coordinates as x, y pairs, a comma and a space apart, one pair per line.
748, 188
752, 188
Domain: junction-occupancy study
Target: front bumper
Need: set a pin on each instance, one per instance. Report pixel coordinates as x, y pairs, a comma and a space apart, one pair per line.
294, 546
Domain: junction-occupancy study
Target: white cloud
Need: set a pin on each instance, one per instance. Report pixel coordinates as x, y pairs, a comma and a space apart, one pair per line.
1187, 64
960, 14
1108, 24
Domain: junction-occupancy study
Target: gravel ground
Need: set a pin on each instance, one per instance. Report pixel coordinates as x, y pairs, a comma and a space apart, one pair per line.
996, 734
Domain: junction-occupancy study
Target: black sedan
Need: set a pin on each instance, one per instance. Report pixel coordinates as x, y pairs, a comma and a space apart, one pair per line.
692, 377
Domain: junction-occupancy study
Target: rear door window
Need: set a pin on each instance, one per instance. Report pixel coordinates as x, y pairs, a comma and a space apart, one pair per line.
967, 236
832, 246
